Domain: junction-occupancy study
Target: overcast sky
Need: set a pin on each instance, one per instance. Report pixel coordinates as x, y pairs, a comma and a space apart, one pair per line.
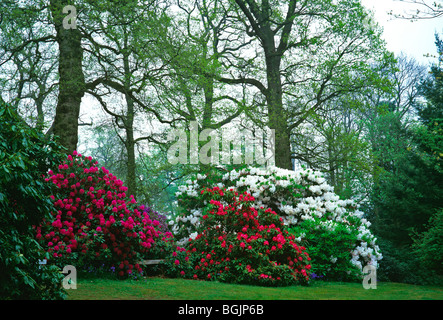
413, 38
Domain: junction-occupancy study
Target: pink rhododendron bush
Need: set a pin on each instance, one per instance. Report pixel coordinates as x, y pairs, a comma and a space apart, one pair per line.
334, 231
237, 243
95, 221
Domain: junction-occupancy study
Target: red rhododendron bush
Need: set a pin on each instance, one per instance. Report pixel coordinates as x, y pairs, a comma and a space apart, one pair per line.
239, 244
95, 220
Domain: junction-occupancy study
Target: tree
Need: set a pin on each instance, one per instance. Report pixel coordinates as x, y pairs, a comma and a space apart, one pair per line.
159, 179
172, 90
35, 87
405, 80
430, 136
43, 23
71, 77
107, 148
122, 50
28, 64
310, 53
332, 141
407, 191
208, 44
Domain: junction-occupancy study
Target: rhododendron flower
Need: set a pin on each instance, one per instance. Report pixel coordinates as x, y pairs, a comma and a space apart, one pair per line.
298, 196
84, 224
242, 225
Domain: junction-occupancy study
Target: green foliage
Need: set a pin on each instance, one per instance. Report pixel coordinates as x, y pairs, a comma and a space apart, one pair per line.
430, 141
407, 189
429, 137
108, 150
25, 156
428, 246
332, 143
158, 179
405, 193
400, 264
329, 245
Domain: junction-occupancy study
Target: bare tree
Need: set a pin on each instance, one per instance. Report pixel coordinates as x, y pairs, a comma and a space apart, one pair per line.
421, 9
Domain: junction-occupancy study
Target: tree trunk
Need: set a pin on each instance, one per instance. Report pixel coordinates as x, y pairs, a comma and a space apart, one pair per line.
130, 148
278, 122
71, 82
277, 115
129, 126
40, 115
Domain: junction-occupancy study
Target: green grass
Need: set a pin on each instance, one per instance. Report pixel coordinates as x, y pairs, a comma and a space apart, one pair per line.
168, 289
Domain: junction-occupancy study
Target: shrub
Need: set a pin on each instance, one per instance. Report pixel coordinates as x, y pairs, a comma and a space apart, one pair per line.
161, 248
25, 156
419, 264
400, 265
302, 198
237, 243
330, 243
428, 246
156, 216
95, 222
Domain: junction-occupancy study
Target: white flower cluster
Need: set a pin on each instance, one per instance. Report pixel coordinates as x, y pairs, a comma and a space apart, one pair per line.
190, 189
193, 220
298, 195
371, 254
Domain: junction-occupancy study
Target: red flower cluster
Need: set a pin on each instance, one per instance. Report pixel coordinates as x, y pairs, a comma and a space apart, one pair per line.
237, 243
95, 219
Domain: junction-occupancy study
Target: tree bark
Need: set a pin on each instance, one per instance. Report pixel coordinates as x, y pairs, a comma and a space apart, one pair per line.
71, 79
130, 147
129, 119
277, 115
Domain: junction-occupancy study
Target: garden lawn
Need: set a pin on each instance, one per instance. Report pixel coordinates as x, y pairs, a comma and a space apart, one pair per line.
168, 289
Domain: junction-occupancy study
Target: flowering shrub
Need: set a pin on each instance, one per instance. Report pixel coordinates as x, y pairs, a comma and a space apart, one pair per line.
302, 198
95, 221
156, 216
237, 243
161, 248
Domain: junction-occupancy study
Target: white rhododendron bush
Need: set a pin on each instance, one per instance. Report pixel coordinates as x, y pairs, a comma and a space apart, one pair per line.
335, 232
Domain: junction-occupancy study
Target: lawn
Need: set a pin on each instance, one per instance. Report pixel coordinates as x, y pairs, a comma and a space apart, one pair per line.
155, 288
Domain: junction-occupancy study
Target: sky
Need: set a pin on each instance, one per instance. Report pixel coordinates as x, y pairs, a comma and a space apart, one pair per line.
415, 39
